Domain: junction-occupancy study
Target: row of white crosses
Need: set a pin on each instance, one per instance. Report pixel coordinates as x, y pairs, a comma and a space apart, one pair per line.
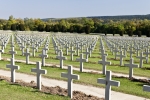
61, 42
108, 82
110, 43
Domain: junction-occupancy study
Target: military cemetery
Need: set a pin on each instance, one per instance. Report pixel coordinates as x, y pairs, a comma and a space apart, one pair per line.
75, 50
55, 53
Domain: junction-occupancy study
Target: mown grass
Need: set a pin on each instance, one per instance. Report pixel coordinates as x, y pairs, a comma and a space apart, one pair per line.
93, 61
127, 86
17, 92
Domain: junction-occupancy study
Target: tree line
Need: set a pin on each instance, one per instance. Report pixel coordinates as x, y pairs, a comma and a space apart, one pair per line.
79, 25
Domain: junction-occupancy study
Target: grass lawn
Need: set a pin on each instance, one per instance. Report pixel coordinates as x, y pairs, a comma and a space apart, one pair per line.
127, 86
17, 92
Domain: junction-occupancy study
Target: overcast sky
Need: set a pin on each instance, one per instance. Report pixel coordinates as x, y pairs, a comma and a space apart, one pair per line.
72, 8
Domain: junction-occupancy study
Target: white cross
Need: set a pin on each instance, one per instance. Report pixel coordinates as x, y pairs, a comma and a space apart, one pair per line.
87, 53
131, 52
81, 60
70, 77
104, 62
108, 82
1, 51
27, 54
12, 66
121, 57
33, 50
67, 47
131, 66
43, 55
61, 58
38, 72
147, 55
72, 52
13, 52
141, 59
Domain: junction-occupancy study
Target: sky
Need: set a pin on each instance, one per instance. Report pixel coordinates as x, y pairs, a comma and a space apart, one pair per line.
71, 8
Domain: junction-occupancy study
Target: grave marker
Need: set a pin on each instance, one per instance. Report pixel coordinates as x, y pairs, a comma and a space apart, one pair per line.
12, 66
131, 66
70, 77
43, 55
108, 82
27, 54
81, 60
61, 58
38, 72
146, 88
104, 62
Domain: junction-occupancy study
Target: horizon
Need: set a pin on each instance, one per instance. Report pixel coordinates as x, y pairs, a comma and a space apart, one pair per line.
72, 9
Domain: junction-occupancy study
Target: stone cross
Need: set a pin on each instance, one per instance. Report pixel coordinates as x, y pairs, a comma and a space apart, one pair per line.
103, 53
61, 58
70, 77
87, 53
81, 60
3, 46
146, 88
116, 51
12, 66
27, 54
67, 47
147, 55
33, 50
121, 57
1, 51
12, 52
22, 48
137, 50
141, 57
131, 52
78, 48
38, 72
43, 55
72, 52
131, 66
104, 62
108, 82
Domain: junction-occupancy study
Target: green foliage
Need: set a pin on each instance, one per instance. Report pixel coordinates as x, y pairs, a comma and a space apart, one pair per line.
79, 25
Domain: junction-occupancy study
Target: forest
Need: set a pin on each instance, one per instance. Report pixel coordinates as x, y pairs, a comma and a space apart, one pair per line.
132, 26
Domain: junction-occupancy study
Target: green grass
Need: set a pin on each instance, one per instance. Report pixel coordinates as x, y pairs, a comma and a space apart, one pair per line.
127, 86
17, 92
92, 64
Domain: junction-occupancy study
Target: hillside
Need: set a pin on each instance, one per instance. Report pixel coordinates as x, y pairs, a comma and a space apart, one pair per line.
118, 17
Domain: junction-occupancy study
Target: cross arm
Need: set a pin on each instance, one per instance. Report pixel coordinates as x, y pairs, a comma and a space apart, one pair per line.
43, 71
101, 80
64, 75
114, 83
75, 76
